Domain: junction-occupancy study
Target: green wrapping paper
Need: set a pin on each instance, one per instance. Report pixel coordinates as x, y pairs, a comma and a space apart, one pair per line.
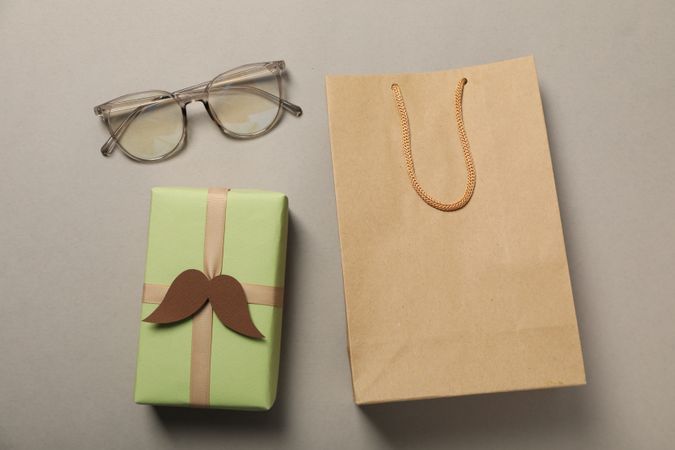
243, 371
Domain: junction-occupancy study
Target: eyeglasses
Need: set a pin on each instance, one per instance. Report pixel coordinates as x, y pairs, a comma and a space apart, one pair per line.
245, 103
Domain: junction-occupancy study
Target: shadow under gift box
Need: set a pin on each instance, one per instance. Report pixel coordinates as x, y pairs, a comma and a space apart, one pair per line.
243, 371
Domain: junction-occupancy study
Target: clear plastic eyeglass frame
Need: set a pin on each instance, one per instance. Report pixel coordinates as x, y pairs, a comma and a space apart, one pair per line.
239, 81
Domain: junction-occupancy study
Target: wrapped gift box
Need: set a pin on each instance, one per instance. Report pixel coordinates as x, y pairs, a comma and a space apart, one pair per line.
209, 340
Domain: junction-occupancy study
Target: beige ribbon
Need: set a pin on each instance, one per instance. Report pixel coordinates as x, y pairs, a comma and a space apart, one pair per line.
202, 321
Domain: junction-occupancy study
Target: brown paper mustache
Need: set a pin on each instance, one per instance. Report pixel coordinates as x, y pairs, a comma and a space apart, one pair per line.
190, 291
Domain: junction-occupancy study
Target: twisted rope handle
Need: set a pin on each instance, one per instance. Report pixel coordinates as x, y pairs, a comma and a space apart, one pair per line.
407, 151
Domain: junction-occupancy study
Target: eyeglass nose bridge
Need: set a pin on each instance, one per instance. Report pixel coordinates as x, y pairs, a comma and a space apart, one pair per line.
185, 98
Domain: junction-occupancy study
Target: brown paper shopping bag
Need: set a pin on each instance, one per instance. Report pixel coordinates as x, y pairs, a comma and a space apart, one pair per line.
444, 303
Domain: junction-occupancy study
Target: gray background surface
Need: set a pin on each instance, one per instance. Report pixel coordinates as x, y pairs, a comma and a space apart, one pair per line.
73, 226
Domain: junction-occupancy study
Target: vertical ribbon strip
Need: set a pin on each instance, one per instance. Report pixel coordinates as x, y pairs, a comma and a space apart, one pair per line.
202, 322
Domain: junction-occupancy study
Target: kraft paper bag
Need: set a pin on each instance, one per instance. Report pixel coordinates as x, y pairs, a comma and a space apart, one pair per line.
447, 303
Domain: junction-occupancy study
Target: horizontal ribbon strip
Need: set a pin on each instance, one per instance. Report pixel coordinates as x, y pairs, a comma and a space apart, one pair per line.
256, 294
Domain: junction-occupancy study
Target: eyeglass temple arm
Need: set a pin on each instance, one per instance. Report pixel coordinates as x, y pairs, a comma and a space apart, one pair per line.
195, 92
288, 106
198, 90
111, 143
291, 107
109, 146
